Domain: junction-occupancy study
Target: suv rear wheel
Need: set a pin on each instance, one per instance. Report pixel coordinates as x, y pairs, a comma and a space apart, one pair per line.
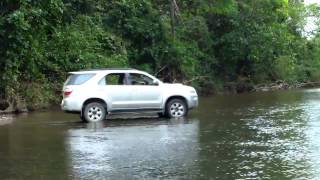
176, 108
94, 112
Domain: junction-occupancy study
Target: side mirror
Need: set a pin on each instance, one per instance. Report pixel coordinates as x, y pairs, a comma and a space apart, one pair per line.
155, 83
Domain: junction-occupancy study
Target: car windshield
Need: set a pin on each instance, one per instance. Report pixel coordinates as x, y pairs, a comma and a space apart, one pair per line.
78, 79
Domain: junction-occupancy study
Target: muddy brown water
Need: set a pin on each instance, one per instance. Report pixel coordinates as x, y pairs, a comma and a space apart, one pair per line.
274, 135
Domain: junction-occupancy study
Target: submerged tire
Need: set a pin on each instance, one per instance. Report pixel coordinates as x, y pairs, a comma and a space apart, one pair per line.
94, 112
176, 108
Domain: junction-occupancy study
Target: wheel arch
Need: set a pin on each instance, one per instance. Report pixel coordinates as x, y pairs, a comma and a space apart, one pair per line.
176, 97
98, 100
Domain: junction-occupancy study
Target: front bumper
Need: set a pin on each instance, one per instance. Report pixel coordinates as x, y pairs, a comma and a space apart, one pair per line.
193, 102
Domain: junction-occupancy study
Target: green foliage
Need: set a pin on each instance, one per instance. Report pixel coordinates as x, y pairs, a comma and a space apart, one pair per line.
213, 42
39, 47
141, 28
83, 44
313, 64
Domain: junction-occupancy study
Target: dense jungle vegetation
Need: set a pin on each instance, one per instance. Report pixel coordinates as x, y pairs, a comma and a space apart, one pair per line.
204, 42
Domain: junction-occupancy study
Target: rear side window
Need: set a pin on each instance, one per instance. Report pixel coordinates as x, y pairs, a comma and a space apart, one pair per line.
78, 79
113, 79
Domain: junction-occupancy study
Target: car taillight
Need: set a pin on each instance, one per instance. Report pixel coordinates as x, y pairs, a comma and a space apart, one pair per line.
67, 93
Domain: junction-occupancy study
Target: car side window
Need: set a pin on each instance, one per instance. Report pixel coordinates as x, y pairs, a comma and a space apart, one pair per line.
113, 79
139, 79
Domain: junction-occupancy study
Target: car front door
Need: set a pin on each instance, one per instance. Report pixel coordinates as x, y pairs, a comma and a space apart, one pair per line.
145, 93
116, 91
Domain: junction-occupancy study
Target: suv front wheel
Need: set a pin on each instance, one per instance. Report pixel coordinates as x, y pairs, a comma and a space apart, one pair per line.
94, 112
176, 108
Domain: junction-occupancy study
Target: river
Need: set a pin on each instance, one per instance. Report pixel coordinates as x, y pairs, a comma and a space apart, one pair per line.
271, 135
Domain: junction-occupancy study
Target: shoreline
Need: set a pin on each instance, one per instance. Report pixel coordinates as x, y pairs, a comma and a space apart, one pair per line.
20, 106
6, 119
244, 87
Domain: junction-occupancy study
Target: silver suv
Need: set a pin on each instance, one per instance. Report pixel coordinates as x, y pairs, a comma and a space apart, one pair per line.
96, 93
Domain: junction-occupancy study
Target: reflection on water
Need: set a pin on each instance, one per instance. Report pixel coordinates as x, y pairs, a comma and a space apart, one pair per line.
312, 134
6, 119
127, 151
271, 135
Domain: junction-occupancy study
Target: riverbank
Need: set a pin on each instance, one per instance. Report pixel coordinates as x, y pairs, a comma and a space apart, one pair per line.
245, 87
5, 119
13, 106
19, 105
